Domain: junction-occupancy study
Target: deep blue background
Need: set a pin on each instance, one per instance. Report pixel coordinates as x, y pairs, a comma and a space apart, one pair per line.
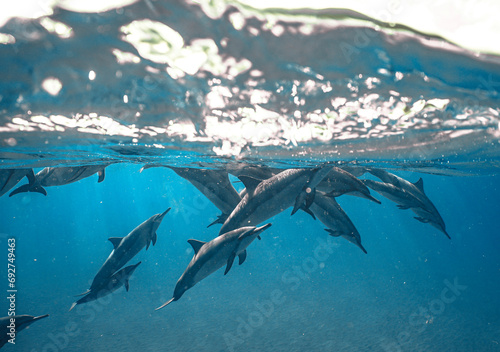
348, 302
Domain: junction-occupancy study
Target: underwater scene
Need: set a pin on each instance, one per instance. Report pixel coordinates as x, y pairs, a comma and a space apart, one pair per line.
246, 176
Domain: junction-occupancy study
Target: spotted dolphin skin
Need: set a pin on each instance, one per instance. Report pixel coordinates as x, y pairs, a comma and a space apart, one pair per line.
329, 212
59, 176
211, 256
125, 248
17, 323
117, 280
11, 177
265, 199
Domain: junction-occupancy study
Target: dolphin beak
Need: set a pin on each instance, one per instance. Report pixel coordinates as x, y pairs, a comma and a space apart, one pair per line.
262, 228
160, 217
40, 317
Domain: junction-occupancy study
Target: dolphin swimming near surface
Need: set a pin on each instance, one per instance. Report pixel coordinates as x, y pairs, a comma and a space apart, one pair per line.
403, 198
329, 212
211, 256
20, 323
59, 176
11, 177
339, 182
215, 185
267, 198
125, 248
426, 211
117, 280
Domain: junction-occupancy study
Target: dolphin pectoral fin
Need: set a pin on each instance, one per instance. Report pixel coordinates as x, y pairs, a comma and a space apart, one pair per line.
333, 232
127, 285
154, 238
310, 198
308, 211
82, 294
220, 219
425, 221
166, 303
446, 233
101, 176
196, 245
115, 241
230, 262
259, 237
402, 207
242, 256
72, 306
299, 201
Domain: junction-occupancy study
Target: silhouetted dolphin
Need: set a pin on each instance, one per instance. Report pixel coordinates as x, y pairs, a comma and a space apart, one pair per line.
215, 185
10, 177
59, 176
20, 323
264, 199
211, 256
125, 248
329, 212
339, 182
117, 280
403, 198
426, 211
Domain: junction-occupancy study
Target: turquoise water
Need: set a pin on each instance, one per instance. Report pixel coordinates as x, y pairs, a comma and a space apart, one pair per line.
226, 86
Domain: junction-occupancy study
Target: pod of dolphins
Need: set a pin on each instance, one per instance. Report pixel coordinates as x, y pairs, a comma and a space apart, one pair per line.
267, 192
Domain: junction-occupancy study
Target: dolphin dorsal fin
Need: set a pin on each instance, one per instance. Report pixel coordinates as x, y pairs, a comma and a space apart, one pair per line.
196, 245
250, 183
115, 241
420, 185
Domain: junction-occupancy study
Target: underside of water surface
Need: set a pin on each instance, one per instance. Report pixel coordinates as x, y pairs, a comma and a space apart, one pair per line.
179, 81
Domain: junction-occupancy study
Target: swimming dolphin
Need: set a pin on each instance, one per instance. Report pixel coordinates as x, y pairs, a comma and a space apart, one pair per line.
125, 248
306, 196
403, 198
10, 177
59, 176
211, 256
264, 199
20, 323
329, 212
117, 280
339, 182
426, 211
215, 185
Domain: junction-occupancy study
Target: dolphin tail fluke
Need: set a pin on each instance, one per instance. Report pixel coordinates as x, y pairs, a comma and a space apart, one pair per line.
220, 219
230, 262
101, 176
29, 188
82, 294
166, 303
72, 306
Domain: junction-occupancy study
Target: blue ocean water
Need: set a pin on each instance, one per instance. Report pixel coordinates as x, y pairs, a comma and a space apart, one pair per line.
218, 85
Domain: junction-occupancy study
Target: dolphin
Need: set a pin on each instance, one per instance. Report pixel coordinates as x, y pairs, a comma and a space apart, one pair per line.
20, 322
403, 198
329, 212
59, 176
211, 256
117, 280
215, 185
264, 199
339, 181
427, 212
125, 248
10, 177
